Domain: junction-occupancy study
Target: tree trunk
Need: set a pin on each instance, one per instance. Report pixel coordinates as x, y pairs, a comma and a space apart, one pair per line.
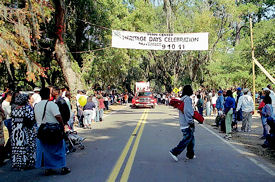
168, 10
11, 79
238, 32
61, 50
73, 80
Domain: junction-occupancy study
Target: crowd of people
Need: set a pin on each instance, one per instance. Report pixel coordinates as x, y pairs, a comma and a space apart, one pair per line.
235, 106
30, 119
27, 116
230, 107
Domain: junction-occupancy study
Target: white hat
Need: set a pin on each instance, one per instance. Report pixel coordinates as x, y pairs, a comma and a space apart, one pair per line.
266, 89
245, 90
36, 89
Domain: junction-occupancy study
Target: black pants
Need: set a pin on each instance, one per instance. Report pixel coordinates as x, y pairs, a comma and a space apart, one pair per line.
80, 121
2, 155
106, 104
5, 152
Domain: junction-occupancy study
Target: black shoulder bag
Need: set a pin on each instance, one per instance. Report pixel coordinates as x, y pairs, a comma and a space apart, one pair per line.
50, 133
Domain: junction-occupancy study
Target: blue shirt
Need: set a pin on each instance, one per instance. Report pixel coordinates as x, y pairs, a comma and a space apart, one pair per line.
220, 103
89, 106
229, 103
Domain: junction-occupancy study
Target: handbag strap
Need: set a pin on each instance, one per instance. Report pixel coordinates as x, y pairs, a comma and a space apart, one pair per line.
44, 110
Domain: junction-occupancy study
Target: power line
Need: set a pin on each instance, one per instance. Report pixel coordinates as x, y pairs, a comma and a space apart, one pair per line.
106, 28
91, 50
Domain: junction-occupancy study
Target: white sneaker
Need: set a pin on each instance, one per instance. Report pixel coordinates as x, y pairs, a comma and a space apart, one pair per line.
173, 156
194, 157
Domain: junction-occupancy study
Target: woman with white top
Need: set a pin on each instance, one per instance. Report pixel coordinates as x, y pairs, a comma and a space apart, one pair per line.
52, 155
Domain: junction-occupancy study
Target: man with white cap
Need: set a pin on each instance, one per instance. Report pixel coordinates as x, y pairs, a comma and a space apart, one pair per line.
247, 105
36, 96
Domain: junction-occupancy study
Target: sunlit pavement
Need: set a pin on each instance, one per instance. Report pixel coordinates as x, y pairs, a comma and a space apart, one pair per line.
133, 145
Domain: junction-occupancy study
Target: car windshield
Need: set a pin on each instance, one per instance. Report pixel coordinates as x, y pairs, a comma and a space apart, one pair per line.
144, 94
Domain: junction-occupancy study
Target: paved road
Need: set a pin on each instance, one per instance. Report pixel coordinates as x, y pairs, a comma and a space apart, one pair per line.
133, 145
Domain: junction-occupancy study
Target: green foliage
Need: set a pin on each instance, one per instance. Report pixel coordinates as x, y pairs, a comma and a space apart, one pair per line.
27, 43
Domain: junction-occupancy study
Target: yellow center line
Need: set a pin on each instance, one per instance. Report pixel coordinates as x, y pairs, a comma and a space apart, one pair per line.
128, 167
124, 153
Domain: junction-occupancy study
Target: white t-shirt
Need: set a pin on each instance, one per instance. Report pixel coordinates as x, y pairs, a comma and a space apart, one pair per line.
7, 109
36, 97
77, 97
52, 110
272, 96
69, 105
95, 101
214, 99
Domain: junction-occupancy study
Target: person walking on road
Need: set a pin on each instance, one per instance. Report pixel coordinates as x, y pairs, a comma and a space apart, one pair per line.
229, 105
187, 126
247, 105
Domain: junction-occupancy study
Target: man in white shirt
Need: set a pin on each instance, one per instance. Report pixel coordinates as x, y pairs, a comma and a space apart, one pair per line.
272, 96
247, 105
36, 97
213, 101
6, 105
67, 99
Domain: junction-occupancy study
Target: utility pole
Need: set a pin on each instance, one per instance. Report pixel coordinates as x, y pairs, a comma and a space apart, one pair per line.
253, 63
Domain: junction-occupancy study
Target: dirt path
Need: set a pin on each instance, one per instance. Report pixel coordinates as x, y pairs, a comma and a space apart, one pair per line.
251, 140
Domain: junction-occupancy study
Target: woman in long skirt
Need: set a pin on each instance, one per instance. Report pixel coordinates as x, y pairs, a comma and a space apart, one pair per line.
51, 156
23, 138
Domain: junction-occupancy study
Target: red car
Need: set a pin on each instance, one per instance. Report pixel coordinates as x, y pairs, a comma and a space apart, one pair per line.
144, 99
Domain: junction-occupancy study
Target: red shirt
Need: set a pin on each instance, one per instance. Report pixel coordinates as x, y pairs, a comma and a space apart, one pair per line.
101, 103
261, 106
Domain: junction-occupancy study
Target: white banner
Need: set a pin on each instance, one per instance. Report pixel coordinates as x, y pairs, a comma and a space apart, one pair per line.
142, 86
160, 41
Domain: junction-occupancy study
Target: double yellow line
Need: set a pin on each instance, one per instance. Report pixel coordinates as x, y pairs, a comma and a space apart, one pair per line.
122, 157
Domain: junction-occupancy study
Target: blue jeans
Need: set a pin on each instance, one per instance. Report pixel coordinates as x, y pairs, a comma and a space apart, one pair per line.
7, 123
188, 141
265, 126
208, 110
200, 110
97, 115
